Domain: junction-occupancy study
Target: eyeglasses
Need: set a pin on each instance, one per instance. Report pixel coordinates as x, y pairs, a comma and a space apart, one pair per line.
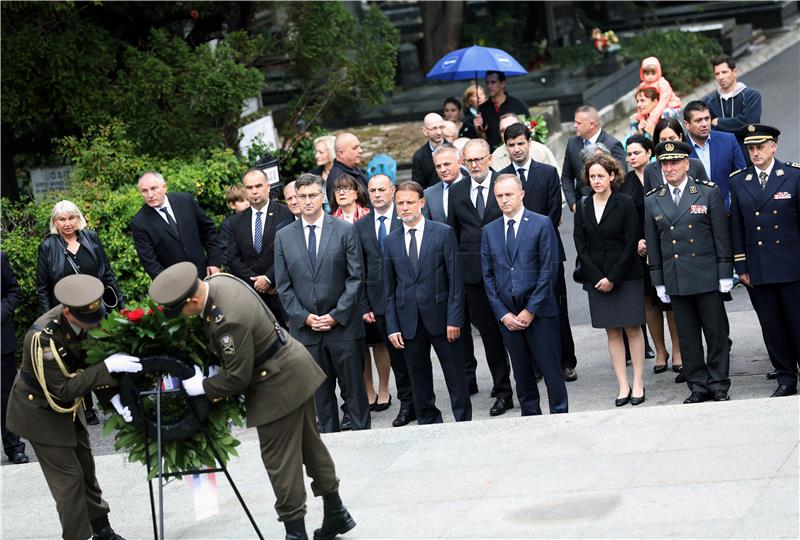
343, 189
475, 161
309, 196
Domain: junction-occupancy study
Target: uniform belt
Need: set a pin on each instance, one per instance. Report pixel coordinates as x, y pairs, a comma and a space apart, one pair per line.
264, 357
31, 381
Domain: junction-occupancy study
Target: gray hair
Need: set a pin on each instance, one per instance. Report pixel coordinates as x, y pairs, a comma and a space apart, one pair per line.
446, 147
65, 208
328, 140
309, 179
154, 174
590, 151
481, 142
591, 112
290, 185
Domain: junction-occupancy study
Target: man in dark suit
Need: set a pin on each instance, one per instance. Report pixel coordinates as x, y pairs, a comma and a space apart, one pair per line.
348, 157
471, 207
719, 152
520, 259
11, 298
318, 274
252, 238
689, 253
765, 231
422, 168
587, 131
424, 304
171, 229
542, 192
372, 232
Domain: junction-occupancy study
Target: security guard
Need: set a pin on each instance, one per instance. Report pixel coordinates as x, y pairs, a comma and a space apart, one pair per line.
765, 231
278, 378
46, 405
689, 253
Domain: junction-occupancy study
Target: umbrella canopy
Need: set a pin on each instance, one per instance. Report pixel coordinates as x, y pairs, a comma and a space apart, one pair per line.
473, 62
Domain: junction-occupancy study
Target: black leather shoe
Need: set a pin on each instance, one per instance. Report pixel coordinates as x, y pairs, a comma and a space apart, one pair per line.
569, 374
473, 389
696, 397
638, 400
782, 390
336, 519
380, 407
619, 402
405, 416
18, 458
772, 375
106, 533
91, 417
681, 378
500, 407
296, 530
720, 395
345, 424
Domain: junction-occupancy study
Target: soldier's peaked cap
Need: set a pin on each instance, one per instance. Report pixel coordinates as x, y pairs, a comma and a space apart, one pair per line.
83, 295
172, 287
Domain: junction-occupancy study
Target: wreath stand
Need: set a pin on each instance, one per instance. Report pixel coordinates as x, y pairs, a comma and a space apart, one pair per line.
158, 523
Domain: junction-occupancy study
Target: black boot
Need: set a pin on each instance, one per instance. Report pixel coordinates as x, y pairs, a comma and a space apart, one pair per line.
336, 520
296, 530
101, 530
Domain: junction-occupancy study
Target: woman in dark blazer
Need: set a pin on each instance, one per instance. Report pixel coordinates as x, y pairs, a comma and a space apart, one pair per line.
607, 231
71, 248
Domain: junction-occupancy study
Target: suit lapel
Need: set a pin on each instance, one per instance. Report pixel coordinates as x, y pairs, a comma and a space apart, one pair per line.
687, 199
245, 231
521, 232
491, 201
665, 202
155, 215
396, 222
752, 185
423, 247
328, 223
773, 183
300, 238
612, 202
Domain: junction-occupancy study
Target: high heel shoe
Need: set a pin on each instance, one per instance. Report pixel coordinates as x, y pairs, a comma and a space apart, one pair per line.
662, 368
619, 402
638, 400
379, 407
677, 367
374, 404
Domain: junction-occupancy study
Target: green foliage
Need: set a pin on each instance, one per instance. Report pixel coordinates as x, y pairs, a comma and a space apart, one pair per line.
685, 56
574, 56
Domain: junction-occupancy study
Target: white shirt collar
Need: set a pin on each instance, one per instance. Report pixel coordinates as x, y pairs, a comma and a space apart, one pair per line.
681, 186
387, 212
263, 209
593, 138
768, 170
516, 217
318, 223
419, 227
526, 165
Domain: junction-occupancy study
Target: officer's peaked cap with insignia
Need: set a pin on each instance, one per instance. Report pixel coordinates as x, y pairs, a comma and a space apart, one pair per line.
172, 287
758, 133
673, 150
83, 295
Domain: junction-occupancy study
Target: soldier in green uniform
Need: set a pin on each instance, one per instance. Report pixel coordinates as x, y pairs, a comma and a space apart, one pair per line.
278, 378
46, 404
691, 265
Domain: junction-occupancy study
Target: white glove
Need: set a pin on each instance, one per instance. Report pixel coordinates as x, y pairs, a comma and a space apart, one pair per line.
194, 385
661, 291
725, 285
124, 412
123, 363
213, 370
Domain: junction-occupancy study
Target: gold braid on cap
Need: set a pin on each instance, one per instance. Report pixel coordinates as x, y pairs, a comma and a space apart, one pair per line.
37, 354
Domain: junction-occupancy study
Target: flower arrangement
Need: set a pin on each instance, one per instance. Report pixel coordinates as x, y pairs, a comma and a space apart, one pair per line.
605, 41
538, 126
145, 331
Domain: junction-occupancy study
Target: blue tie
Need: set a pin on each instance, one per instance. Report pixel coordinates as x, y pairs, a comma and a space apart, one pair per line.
586, 143
381, 231
312, 246
511, 239
259, 236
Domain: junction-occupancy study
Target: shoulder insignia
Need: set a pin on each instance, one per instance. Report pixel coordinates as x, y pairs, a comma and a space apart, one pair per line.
652, 191
734, 173
794, 164
708, 183
216, 314
227, 344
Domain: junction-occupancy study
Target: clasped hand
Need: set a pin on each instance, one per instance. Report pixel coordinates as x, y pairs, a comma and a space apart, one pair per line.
320, 323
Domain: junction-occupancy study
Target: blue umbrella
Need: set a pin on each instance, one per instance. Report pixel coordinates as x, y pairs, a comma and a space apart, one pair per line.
473, 62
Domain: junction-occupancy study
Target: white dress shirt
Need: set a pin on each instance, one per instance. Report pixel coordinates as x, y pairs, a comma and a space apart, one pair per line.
473, 191
317, 231
169, 209
768, 170
420, 229
387, 223
526, 167
253, 221
517, 218
681, 187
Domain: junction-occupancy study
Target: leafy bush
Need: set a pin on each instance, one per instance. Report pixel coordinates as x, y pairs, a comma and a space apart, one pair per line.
685, 56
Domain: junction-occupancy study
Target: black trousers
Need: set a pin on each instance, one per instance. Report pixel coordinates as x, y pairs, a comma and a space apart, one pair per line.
568, 359
417, 353
11, 441
537, 347
470, 361
483, 317
342, 361
697, 316
401, 378
779, 316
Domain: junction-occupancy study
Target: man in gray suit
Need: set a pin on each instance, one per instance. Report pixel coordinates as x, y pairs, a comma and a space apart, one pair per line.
448, 169
319, 274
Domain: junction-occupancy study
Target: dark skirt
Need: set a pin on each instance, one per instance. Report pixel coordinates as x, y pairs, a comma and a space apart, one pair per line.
373, 336
623, 306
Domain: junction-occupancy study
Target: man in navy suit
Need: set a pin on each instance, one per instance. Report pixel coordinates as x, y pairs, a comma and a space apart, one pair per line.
519, 258
424, 304
372, 231
172, 229
719, 151
543, 196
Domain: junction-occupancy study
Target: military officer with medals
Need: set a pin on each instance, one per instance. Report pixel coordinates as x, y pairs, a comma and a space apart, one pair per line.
689, 254
46, 404
765, 232
278, 378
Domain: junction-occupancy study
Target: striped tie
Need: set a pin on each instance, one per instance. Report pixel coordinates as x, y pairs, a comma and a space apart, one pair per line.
258, 238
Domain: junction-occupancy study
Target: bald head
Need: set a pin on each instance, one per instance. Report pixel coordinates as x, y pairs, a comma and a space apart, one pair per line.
348, 149
433, 128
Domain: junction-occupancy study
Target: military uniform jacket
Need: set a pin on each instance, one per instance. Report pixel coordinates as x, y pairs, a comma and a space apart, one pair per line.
239, 331
688, 247
29, 413
765, 224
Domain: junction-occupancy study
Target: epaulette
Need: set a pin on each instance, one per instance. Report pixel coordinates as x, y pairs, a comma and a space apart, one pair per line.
793, 164
652, 191
708, 183
734, 173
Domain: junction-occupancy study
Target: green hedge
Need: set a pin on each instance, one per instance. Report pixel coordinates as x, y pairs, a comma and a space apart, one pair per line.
104, 188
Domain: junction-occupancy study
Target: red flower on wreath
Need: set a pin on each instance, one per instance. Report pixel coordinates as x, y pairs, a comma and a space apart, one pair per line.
135, 315
533, 124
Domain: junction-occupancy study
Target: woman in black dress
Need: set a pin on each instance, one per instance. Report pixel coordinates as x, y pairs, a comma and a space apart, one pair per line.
607, 232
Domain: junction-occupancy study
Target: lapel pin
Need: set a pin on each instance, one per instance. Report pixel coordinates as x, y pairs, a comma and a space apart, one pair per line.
692, 189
